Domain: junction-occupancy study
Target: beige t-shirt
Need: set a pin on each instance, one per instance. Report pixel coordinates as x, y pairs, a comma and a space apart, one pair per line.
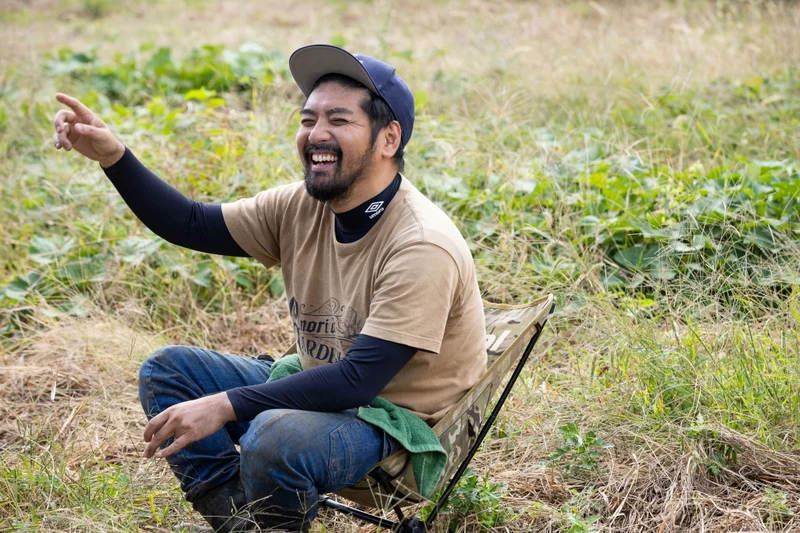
409, 280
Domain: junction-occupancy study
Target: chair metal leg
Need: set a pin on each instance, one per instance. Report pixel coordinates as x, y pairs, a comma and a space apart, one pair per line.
484, 430
383, 479
357, 513
407, 525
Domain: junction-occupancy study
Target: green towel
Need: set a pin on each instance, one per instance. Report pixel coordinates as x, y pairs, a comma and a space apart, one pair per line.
428, 458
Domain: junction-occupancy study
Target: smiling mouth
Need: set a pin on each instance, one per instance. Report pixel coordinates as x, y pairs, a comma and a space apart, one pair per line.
322, 161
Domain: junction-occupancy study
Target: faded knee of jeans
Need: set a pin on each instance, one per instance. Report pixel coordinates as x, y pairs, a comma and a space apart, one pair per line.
276, 466
269, 438
164, 357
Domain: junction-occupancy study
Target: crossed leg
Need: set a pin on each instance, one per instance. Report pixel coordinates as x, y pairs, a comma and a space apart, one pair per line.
288, 457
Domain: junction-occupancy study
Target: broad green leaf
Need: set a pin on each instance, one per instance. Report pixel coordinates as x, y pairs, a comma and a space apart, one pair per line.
160, 62
48, 250
243, 280
136, 249
203, 276
635, 257
19, 288
215, 103
276, 287
201, 95
661, 270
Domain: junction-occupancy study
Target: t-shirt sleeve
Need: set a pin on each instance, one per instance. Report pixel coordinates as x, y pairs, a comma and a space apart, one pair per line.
414, 293
255, 223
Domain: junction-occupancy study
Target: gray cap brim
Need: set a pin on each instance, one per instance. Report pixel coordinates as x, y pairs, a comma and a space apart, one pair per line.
309, 63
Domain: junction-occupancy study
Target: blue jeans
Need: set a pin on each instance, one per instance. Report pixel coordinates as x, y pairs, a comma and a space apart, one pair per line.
287, 457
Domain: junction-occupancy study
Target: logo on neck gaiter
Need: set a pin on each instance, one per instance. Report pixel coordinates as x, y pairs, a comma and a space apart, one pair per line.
374, 209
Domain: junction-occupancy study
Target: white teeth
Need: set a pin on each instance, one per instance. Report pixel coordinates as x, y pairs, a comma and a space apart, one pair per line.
323, 158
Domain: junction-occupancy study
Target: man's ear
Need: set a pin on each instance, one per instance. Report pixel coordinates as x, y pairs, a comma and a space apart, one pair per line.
390, 139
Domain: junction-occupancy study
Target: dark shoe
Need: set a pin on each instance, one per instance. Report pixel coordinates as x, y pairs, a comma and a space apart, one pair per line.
192, 528
276, 520
227, 510
224, 508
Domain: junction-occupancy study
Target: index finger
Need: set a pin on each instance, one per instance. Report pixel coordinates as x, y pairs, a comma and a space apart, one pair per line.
155, 424
178, 444
159, 438
73, 103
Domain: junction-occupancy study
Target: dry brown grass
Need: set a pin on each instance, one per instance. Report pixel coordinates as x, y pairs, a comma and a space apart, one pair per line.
647, 484
74, 383
71, 384
69, 402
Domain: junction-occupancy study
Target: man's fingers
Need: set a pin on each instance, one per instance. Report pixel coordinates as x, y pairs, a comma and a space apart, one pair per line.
73, 103
63, 115
89, 131
158, 439
155, 424
178, 444
62, 124
151, 448
55, 141
63, 136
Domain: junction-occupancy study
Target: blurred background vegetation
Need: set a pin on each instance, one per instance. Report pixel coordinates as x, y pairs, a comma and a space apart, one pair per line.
638, 159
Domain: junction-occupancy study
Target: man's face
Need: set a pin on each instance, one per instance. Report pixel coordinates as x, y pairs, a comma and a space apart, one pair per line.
334, 141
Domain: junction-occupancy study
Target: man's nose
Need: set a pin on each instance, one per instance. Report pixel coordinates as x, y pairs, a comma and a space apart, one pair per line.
319, 133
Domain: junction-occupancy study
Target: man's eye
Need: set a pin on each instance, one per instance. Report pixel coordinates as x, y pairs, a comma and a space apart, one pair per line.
338, 121
307, 122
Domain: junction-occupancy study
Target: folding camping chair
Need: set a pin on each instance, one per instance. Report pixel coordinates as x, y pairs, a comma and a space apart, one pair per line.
511, 333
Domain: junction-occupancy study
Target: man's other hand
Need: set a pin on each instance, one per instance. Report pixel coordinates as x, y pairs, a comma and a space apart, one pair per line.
79, 128
188, 422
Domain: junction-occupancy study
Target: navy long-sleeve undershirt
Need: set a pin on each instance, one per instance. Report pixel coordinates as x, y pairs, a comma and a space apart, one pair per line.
168, 213
351, 382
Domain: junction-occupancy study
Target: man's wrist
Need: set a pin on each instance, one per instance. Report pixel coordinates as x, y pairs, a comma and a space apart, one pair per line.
226, 407
113, 159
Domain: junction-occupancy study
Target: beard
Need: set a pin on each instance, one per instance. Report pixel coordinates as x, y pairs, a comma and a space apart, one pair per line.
334, 184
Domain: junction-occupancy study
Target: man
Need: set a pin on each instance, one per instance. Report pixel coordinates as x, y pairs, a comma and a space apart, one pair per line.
382, 294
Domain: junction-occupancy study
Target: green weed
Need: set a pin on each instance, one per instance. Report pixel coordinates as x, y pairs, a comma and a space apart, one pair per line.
475, 499
135, 79
577, 515
776, 511
42, 481
581, 452
712, 452
574, 523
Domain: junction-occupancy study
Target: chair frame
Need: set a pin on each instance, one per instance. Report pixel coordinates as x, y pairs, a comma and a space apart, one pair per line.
415, 525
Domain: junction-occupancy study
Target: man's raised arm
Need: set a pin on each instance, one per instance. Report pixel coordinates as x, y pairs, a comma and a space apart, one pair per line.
161, 207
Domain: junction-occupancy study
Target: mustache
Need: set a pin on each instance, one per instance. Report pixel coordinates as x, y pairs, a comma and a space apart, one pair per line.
322, 147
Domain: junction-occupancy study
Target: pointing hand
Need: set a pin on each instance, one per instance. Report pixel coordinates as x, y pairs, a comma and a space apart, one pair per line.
79, 128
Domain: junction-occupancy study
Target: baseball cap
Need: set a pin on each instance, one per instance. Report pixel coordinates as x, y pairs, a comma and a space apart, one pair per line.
309, 63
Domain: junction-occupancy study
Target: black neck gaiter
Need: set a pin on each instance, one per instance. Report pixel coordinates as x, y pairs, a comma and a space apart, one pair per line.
355, 223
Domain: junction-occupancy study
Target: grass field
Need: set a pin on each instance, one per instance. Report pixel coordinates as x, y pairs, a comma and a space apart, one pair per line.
641, 160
